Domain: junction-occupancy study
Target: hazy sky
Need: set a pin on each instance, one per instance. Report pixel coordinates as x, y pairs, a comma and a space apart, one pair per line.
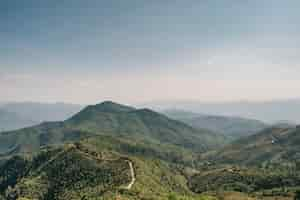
135, 51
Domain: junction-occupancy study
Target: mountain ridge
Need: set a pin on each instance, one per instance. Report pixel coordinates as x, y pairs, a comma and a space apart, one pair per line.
109, 118
233, 127
10, 120
273, 145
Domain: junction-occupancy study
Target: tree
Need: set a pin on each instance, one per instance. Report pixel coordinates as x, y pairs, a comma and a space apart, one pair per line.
297, 196
172, 197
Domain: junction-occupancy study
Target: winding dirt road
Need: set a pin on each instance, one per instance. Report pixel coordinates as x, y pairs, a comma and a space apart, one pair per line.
132, 173
129, 186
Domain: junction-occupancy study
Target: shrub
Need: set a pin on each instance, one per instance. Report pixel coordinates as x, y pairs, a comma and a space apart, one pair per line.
297, 196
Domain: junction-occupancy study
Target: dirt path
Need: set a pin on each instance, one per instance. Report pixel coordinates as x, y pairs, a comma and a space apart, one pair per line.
132, 176
132, 173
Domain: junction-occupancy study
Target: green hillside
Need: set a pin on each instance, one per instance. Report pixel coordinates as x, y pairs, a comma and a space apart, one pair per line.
80, 171
98, 168
112, 119
30, 139
275, 145
251, 180
115, 119
266, 164
233, 127
111, 151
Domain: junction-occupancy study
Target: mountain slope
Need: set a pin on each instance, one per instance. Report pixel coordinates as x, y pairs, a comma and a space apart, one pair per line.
265, 165
94, 169
113, 119
256, 181
77, 171
233, 127
66, 173
30, 139
275, 145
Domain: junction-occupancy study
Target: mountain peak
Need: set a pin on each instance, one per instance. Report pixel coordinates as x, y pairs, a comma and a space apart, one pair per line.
110, 106
147, 110
93, 111
108, 103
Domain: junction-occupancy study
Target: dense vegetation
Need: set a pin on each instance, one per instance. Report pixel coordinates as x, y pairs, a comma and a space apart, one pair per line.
263, 165
97, 168
82, 171
232, 127
244, 179
275, 145
66, 173
110, 119
92, 155
115, 119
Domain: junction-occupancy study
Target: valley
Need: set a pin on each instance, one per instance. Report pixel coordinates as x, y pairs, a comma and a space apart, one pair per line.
149, 100
110, 150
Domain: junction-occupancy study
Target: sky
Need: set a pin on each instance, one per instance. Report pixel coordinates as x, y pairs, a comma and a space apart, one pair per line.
139, 51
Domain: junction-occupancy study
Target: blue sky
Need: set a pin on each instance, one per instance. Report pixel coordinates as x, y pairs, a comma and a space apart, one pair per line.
135, 51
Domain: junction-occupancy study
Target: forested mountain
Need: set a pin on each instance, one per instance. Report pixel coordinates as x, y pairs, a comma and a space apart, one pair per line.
233, 127
264, 164
113, 151
88, 171
277, 145
112, 119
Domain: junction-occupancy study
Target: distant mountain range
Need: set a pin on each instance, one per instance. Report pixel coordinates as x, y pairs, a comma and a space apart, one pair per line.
43, 111
19, 115
233, 127
10, 121
267, 111
271, 112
